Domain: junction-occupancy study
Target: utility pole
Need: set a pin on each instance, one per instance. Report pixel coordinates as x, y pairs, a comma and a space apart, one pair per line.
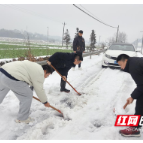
142, 43
117, 34
99, 40
137, 44
47, 34
63, 33
26, 28
142, 46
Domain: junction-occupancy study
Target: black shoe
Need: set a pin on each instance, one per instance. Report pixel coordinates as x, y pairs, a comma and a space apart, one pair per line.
65, 90
63, 85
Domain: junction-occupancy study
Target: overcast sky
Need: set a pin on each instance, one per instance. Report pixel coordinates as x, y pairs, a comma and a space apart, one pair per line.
21, 17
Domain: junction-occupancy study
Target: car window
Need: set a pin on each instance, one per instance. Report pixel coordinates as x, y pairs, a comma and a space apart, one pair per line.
122, 47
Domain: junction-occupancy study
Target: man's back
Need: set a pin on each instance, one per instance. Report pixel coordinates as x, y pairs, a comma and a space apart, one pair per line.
62, 60
135, 68
25, 71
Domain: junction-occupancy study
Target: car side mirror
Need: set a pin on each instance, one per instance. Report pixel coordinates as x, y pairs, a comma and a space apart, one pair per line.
105, 48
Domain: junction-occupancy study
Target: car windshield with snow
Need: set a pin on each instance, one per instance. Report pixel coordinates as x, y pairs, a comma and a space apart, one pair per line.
110, 56
122, 47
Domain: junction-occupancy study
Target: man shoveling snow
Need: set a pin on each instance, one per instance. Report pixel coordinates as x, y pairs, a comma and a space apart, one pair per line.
134, 66
17, 76
63, 62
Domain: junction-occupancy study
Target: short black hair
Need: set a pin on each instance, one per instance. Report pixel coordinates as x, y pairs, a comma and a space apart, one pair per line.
80, 31
122, 57
47, 68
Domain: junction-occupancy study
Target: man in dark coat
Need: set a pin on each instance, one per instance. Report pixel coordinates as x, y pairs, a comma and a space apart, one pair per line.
134, 66
79, 44
63, 62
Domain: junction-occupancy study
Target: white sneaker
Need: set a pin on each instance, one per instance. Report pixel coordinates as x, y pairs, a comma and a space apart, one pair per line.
80, 68
25, 121
73, 69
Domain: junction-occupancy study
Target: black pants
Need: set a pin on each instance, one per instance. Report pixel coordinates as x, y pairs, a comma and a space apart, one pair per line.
79, 65
139, 106
63, 72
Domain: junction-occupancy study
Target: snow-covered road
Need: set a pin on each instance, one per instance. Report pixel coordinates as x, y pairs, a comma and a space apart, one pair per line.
91, 115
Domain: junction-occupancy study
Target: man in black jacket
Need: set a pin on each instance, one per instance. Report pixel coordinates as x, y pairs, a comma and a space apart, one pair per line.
79, 44
63, 62
134, 66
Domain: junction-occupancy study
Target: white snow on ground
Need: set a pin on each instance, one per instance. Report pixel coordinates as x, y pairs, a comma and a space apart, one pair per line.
89, 116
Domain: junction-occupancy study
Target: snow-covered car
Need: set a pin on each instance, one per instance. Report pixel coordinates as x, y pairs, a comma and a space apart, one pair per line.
110, 56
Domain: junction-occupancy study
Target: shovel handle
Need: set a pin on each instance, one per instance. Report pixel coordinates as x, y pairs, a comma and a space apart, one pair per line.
56, 109
73, 88
36, 98
55, 70
50, 105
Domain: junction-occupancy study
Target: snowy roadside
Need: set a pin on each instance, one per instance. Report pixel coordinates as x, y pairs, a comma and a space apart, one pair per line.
91, 114
4, 60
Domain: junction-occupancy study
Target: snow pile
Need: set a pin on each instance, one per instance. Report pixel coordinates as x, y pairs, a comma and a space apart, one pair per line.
89, 116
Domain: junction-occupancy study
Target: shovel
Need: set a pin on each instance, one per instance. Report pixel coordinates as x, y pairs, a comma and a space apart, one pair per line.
50, 106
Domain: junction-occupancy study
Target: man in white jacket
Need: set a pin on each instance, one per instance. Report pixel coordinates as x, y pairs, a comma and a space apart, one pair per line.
18, 76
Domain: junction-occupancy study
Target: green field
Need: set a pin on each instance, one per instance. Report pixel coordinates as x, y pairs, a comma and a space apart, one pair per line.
24, 43
8, 50
14, 53
2, 46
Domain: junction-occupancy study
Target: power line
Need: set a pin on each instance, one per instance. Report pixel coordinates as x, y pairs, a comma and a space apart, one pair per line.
90, 12
93, 17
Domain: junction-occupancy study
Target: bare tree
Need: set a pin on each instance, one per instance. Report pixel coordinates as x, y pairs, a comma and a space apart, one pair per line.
103, 45
111, 40
28, 53
122, 38
67, 38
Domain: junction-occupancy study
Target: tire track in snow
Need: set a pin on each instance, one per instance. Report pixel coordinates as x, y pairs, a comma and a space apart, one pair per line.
92, 79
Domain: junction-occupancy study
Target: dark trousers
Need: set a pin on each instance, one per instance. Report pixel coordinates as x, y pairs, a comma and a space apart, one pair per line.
63, 72
79, 65
139, 106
